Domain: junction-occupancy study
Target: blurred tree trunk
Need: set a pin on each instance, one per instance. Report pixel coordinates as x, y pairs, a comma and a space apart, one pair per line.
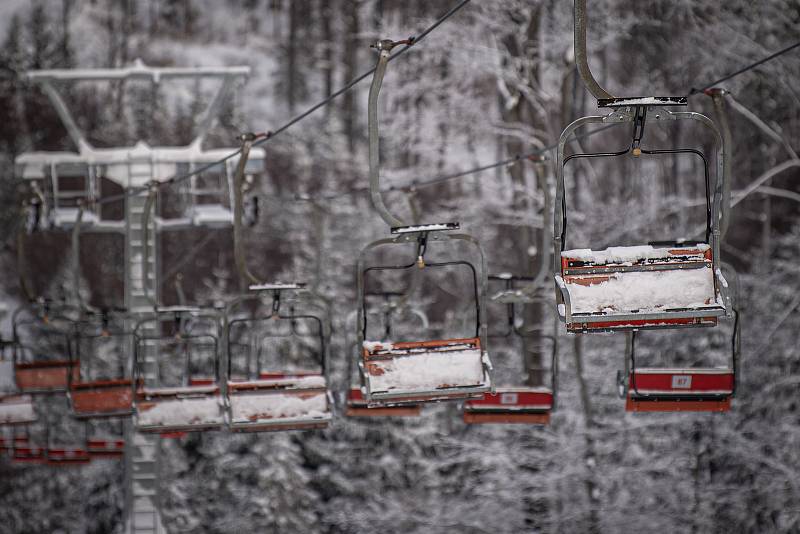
350, 60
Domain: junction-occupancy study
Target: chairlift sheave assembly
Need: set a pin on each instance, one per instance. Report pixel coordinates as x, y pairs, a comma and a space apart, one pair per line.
417, 371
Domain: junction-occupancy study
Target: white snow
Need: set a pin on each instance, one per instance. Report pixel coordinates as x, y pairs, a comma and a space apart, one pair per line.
645, 291
425, 228
645, 101
211, 214
276, 285
17, 409
427, 371
182, 412
69, 216
276, 406
629, 254
374, 346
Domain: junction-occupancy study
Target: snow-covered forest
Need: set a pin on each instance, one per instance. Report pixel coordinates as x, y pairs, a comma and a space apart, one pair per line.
496, 80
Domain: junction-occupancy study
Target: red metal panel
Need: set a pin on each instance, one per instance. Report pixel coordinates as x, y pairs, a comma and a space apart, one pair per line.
357, 407
67, 456
102, 398
578, 327
45, 376
506, 418
514, 398
638, 405
685, 381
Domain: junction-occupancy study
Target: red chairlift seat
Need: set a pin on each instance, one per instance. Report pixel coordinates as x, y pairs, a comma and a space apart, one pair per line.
16, 410
530, 405
622, 288
100, 448
102, 398
424, 371
45, 376
37, 371
65, 456
679, 389
93, 396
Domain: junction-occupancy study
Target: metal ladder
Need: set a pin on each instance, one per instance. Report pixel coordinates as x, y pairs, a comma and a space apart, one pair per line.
142, 450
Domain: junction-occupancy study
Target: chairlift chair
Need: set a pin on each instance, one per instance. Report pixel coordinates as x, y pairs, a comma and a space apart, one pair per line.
284, 398
16, 410
516, 404
661, 285
356, 403
707, 389
194, 403
35, 369
102, 392
417, 371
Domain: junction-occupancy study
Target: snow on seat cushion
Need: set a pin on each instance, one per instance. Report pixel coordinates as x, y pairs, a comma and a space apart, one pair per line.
180, 413
16, 410
642, 291
427, 371
278, 407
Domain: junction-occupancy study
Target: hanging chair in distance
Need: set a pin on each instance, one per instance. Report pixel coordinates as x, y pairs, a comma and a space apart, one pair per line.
93, 397
194, 405
278, 399
662, 285
417, 371
35, 371
356, 403
517, 404
707, 389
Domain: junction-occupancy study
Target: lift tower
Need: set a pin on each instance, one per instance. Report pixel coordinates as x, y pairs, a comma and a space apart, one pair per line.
67, 180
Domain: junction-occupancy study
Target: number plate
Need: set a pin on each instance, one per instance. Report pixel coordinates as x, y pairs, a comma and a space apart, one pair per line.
508, 398
681, 382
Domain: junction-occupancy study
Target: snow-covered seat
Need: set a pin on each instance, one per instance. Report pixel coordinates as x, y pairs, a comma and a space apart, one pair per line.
279, 401
179, 409
680, 390
624, 288
527, 405
424, 371
16, 410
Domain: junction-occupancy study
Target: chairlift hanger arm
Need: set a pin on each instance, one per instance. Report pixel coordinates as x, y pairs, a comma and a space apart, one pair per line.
384, 47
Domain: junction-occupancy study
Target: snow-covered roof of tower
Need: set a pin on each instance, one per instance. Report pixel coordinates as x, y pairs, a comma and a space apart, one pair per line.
136, 70
192, 153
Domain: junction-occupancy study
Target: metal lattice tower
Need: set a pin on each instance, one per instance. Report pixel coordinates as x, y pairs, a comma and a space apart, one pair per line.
133, 167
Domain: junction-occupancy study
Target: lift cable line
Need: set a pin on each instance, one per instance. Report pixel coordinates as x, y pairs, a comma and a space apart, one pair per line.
518, 157
266, 136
